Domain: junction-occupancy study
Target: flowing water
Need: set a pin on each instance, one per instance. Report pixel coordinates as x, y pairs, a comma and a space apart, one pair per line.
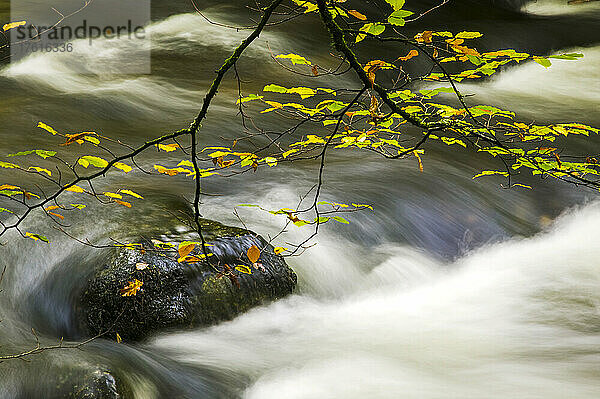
452, 288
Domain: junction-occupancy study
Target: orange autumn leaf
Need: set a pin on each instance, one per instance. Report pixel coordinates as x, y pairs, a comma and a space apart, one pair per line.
132, 288
419, 159
253, 254
424, 37
186, 249
61, 217
357, 15
71, 138
411, 54
193, 259
124, 203
168, 147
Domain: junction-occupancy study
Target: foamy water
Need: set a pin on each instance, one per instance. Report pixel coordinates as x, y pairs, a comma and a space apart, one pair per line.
96, 69
555, 7
515, 319
543, 92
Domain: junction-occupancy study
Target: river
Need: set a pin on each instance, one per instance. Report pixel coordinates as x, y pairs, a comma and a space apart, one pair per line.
450, 288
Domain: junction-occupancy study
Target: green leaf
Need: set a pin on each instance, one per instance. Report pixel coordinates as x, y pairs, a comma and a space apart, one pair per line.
340, 219
396, 4
545, 62
37, 237
397, 17
94, 161
303, 92
251, 97
490, 173
310, 7
474, 59
275, 89
10, 193
468, 35
40, 170
295, 59
374, 29
570, 56
42, 153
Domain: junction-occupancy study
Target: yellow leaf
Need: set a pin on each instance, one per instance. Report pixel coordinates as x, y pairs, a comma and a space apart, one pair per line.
40, 170
119, 339
47, 128
124, 167
129, 192
113, 195
75, 189
168, 147
243, 269
13, 25
279, 250
132, 288
420, 161
253, 254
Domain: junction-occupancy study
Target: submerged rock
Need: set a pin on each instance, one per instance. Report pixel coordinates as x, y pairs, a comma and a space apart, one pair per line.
176, 295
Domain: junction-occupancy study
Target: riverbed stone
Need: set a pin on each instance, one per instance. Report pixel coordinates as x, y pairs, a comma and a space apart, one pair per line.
177, 295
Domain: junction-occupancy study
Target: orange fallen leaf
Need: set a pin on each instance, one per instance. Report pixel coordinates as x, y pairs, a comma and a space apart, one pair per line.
253, 254
132, 288
185, 250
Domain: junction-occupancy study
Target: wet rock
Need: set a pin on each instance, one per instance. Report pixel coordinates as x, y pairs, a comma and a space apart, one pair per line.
98, 385
179, 295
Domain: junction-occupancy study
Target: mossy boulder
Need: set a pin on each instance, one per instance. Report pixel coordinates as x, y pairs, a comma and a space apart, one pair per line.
182, 295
